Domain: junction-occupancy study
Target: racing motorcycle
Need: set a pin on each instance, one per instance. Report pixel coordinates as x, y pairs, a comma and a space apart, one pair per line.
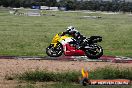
66, 45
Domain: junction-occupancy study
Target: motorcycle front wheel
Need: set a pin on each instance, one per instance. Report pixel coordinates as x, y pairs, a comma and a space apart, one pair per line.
95, 52
54, 51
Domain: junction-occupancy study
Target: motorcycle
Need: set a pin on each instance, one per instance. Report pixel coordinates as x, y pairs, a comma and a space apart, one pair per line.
66, 45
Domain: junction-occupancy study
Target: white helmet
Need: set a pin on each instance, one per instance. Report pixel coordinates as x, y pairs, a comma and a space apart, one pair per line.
71, 28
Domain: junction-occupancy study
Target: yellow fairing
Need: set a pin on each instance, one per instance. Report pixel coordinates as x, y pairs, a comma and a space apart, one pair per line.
57, 38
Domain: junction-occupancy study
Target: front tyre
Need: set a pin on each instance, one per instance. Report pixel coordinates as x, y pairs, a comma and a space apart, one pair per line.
95, 52
54, 51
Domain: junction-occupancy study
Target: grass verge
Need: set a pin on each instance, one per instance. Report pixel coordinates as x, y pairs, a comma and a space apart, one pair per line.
49, 76
70, 79
73, 76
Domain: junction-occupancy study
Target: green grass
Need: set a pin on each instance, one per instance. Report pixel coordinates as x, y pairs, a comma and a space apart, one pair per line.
29, 36
72, 76
44, 76
69, 79
111, 73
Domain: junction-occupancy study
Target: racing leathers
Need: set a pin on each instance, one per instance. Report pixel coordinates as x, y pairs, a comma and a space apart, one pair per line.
76, 35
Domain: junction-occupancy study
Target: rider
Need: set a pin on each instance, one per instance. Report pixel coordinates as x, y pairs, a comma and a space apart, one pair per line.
75, 34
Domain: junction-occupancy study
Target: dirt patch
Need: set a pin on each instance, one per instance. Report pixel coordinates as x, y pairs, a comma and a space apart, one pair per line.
19, 66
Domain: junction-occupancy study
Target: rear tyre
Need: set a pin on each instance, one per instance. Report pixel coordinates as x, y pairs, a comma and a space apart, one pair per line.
54, 51
94, 53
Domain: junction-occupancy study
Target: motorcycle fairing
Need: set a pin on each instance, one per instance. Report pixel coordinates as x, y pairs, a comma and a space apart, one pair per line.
68, 49
64, 40
72, 51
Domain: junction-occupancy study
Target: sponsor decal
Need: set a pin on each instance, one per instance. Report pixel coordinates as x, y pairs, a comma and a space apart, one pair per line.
110, 82
85, 80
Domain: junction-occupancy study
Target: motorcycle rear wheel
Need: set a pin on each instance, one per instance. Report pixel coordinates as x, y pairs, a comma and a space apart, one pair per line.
54, 51
98, 52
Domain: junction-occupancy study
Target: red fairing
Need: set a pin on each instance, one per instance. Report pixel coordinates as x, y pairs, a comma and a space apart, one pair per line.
72, 51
